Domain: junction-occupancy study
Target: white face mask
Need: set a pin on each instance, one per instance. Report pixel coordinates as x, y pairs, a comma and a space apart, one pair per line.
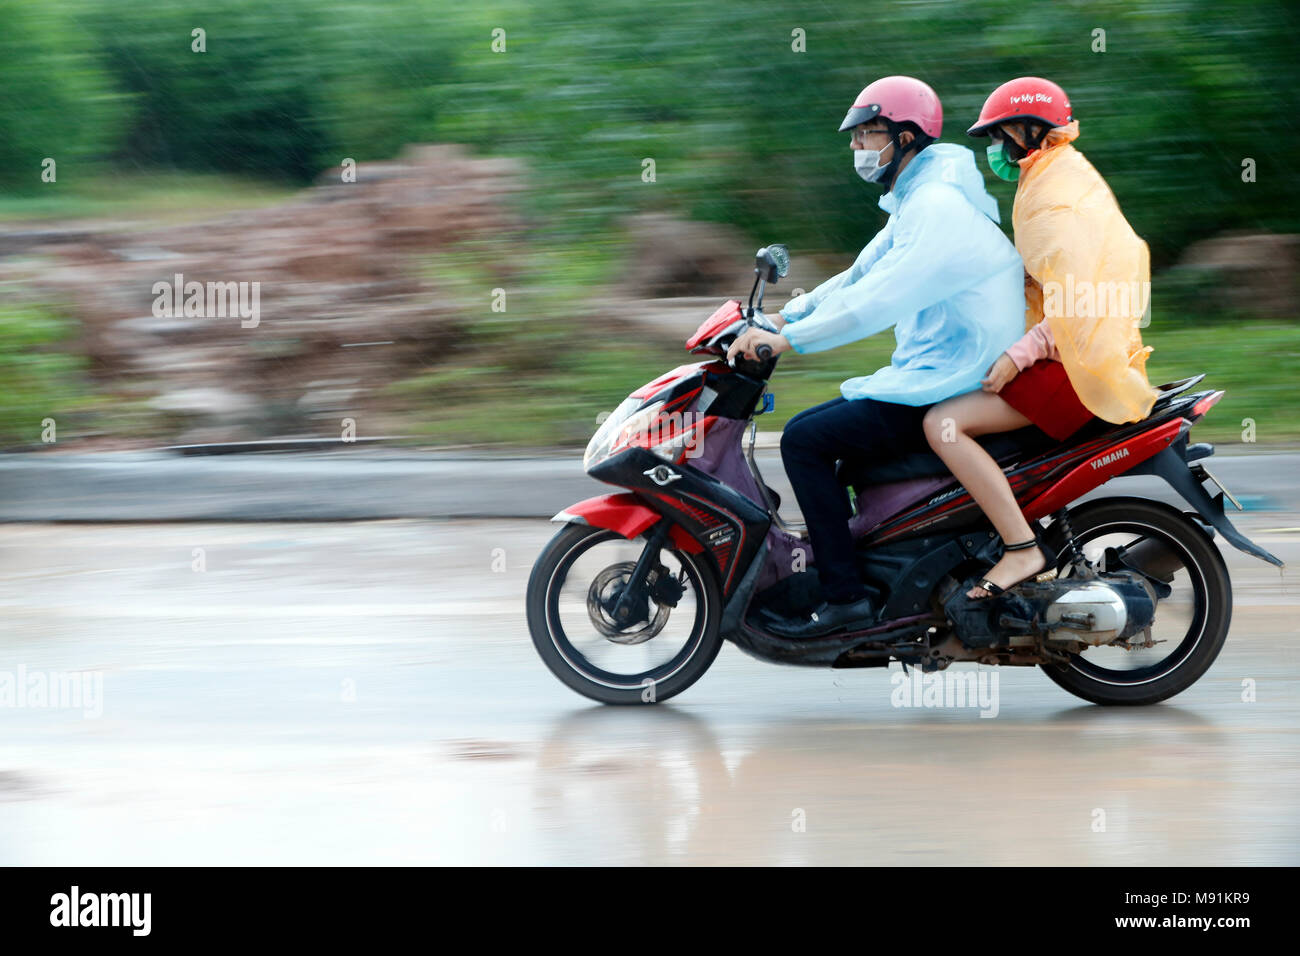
866, 162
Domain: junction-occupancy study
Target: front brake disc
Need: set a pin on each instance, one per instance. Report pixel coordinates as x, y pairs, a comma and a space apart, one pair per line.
604, 593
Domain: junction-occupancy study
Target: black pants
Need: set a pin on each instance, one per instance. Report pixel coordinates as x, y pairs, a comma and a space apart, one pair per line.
810, 445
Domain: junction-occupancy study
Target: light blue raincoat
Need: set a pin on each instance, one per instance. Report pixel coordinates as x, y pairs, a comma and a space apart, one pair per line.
941, 272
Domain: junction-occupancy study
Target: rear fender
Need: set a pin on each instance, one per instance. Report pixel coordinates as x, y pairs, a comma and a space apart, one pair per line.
624, 514
1171, 465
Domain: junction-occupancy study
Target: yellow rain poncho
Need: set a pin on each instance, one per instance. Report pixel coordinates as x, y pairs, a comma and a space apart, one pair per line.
1087, 273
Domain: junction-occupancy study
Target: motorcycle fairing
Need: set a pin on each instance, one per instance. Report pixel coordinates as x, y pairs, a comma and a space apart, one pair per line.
714, 327
729, 526
704, 381
668, 379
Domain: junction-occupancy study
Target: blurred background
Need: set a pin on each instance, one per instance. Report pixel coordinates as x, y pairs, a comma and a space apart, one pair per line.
485, 224
549, 196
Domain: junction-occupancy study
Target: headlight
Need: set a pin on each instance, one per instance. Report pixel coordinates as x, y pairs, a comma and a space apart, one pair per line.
602, 443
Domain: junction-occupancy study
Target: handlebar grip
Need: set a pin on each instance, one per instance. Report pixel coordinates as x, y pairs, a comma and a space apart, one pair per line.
764, 352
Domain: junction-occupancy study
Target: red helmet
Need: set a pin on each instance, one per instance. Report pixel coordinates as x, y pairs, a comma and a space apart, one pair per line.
1026, 97
900, 99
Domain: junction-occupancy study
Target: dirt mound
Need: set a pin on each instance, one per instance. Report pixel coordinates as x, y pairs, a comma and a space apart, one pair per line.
673, 257
302, 313
1252, 274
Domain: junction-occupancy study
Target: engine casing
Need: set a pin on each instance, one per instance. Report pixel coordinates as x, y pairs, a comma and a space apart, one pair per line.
1101, 610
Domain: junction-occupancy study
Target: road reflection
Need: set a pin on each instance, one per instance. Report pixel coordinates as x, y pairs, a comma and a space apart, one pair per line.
1085, 785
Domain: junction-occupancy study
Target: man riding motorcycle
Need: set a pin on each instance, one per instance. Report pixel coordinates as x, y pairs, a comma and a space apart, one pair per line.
942, 274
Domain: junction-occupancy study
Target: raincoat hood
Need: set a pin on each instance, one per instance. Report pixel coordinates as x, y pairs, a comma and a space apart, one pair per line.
1057, 136
945, 162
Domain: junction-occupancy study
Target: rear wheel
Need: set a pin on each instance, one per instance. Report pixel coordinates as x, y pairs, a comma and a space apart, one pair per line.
666, 650
1190, 624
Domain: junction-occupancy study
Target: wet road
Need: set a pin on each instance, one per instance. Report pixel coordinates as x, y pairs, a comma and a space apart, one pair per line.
367, 693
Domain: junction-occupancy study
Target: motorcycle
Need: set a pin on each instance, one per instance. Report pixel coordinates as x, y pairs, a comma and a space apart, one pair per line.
632, 598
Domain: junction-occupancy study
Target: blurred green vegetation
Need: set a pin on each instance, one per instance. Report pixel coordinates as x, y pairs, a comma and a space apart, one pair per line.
157, 196
58, 102
742, 129
543, 380
38, 378
1253, 361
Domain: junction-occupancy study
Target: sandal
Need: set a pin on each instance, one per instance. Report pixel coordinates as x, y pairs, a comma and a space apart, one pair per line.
996, 589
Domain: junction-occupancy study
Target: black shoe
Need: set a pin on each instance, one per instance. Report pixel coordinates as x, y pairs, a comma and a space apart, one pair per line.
827, 619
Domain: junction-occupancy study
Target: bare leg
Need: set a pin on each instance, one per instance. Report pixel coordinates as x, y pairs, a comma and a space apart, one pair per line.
951, 428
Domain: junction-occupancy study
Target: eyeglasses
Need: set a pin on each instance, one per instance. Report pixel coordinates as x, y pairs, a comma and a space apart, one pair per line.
861, 134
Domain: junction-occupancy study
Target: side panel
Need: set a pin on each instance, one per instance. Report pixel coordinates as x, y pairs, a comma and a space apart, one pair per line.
1101, 468
1041, 486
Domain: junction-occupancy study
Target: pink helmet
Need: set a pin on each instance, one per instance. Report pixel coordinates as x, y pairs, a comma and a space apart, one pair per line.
900, 99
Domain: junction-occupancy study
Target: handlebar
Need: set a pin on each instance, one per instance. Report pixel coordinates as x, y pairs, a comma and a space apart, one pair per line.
762, 353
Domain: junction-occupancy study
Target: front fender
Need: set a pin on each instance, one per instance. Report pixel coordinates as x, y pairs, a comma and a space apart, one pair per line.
625, 514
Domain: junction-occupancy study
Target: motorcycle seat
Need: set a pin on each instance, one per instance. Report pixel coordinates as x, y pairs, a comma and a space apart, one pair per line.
1005, 447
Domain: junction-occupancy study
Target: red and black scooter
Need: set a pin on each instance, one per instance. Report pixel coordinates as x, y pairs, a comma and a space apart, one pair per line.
631, 600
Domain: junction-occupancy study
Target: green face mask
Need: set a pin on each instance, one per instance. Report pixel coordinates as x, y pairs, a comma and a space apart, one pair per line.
1002, 167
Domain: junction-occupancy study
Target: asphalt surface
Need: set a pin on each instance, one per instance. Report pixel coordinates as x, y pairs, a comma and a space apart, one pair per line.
366, 693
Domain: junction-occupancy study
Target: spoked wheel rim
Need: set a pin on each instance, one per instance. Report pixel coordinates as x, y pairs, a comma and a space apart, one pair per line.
1181, 620
592, 566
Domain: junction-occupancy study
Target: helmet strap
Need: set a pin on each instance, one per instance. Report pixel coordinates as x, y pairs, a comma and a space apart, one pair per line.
895, 130
1034, 134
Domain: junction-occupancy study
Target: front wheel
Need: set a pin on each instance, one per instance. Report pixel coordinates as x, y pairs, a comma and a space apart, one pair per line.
666, 650
1190, 625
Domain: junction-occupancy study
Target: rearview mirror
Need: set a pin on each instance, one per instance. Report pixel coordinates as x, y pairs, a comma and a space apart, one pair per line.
772, 262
